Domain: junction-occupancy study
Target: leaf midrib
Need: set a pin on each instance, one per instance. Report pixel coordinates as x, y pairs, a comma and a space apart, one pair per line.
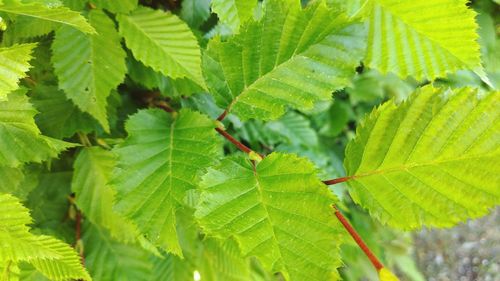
403, 167
258, 188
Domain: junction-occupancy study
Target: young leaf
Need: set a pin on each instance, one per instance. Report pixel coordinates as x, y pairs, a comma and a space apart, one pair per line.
163, 42
122, 6
59, 15
432, 160
21, 140
13, 66
234, 12
291, 57
278, 211
90, 66
424, 39
158, 163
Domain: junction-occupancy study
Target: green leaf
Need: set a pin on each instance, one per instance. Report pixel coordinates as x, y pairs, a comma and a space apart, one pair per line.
59, 15
92, 171
291, 57
108, 259
234, 13
15, 240
50, 205
222, 260
295, 128
90, 66
195, 12
163, 42
432, 160
440, 38
14, 63
158, 163
278, 211
122, 6
67, 266
21, 140
59, 117
11, 179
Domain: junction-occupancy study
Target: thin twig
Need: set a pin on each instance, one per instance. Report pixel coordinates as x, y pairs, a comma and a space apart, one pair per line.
337, 180
373, 259
222, 116
234, 141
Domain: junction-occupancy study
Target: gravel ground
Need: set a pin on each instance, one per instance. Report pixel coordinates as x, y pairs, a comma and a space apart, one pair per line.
470, 251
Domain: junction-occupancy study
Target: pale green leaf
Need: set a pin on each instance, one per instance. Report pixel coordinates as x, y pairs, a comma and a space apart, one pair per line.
291, 57
108, 259
423, 39
90, 66
21, 140
14, 63
158, 163
234, 13
121, 6
433, 160
67, 266
16, 243
59, 15
92, 171
58, 116
277, 210
162, 41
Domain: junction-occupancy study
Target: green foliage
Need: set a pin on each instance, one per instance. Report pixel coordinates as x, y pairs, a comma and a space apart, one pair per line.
290, 57
436, 154
277, 210
234, 13
53, 258
162, 41
21, 140
41, 13
112, 112
89, 67
14, 63
158, 165
404, 41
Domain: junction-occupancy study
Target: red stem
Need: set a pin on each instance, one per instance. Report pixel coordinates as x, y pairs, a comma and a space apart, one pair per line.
337, 180
234, 141
222, 116
373, 259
